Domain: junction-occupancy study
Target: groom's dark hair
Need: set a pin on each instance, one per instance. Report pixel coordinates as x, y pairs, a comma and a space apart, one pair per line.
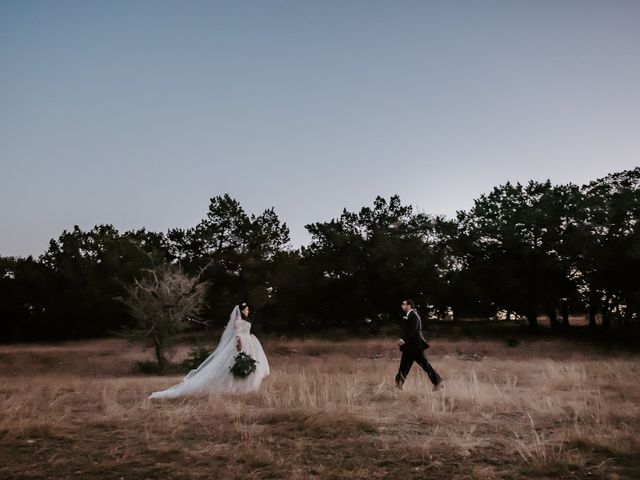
409, 302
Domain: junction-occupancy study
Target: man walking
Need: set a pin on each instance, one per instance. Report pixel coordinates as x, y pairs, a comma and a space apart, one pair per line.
413, 345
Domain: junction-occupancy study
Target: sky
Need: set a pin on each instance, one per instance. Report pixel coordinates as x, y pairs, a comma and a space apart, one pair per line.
135, 113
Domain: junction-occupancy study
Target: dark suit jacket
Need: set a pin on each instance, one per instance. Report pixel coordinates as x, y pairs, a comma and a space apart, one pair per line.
414, 340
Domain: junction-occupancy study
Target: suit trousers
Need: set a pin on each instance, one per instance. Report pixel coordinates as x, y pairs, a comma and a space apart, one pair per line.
406, 362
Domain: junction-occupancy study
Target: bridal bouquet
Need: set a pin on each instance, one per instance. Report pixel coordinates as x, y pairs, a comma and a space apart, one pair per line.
243, 365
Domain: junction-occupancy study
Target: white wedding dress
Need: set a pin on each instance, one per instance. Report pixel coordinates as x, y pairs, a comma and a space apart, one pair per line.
213, 374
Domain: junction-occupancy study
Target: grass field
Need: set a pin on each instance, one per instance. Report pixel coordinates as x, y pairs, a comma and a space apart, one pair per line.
541, 409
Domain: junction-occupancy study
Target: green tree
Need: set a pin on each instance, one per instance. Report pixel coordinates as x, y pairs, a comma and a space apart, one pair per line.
364, 263
236, 253
608, 256
514, 245
88, 269
25, 296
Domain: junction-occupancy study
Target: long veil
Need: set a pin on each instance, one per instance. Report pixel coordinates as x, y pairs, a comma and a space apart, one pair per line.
226, 338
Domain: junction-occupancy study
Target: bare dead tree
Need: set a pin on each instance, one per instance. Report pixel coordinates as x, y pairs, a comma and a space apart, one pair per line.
163, 303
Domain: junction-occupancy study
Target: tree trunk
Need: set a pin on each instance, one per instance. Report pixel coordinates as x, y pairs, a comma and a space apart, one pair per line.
532, 317
565, 314
606, 314
159, 347
592, 315
553, 318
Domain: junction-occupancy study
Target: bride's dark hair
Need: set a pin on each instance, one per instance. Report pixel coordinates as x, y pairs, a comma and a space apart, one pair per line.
242, 306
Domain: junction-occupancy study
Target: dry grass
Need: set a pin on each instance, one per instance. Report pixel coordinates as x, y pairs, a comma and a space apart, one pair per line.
329, 410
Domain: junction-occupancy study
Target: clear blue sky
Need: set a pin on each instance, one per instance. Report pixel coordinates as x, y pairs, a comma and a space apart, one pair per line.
136, 112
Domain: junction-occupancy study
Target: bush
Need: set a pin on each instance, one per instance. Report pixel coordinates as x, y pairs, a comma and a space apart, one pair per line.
197, 355
153, 368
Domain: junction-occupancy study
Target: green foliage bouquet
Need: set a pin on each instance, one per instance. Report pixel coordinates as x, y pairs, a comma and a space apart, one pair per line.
243, 365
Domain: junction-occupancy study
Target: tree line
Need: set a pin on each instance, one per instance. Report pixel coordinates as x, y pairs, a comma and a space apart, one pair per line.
523, 250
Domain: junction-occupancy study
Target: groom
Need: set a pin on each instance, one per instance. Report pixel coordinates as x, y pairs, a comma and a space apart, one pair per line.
412, 344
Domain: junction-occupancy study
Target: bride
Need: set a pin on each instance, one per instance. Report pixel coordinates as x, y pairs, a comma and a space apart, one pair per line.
213, 374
